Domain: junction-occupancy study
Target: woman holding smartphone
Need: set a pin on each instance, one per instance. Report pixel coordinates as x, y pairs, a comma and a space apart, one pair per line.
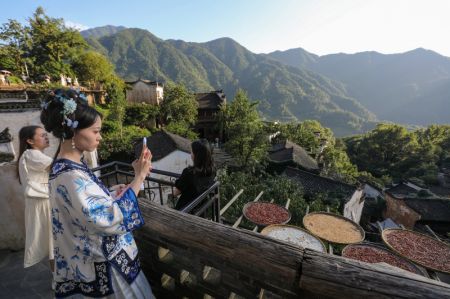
95, 252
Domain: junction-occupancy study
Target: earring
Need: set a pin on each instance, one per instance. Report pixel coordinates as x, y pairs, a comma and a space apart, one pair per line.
73, 144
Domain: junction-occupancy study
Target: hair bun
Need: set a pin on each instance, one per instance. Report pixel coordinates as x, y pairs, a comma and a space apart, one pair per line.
64, 111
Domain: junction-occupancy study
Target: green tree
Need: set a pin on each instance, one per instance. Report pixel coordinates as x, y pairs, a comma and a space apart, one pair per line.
53, 46
115, 90
247, 140
179, 105
323, 146
179, 110
93, 67
309, 134
14, 43
389, 149
337, 165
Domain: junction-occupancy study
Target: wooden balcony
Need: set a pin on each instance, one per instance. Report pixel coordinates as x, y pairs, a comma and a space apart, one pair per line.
192, 257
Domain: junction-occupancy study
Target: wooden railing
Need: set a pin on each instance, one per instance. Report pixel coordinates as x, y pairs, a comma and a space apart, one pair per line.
206, 205
187, 256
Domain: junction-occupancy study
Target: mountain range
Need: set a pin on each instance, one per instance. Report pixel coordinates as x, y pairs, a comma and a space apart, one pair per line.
409, 88
343, 92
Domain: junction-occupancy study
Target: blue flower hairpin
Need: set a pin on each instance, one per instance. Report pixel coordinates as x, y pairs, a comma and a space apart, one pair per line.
69, 106
72, 123
82, 96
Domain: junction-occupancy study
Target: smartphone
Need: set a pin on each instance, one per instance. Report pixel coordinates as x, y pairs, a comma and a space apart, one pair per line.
139, 147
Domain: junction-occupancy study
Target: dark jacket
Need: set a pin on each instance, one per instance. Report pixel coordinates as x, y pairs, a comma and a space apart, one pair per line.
191, 185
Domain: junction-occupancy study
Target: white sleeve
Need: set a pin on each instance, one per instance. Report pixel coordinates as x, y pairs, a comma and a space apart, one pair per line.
37, 160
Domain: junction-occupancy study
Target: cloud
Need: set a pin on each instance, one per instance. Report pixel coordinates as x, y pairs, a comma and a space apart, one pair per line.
76, 26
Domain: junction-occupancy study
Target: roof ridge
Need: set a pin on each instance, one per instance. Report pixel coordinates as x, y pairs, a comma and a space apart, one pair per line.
321, 177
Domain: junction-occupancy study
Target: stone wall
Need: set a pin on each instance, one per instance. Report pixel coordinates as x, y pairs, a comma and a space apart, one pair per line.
12, 202
12, 207
16, 120
397, 210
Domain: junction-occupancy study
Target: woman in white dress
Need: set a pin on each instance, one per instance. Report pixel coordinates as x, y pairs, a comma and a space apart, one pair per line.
95, 252
33, 170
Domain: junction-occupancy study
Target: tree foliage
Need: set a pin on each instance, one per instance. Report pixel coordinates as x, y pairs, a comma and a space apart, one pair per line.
246, 138
179, 110
53, 45
391, 151
93, 67
14, 43
179, 105
322, 145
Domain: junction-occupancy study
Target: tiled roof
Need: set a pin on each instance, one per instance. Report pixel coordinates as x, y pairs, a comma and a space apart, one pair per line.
222, 158
403, 189
440, 191
430, 209
313, 183
163, 143
210, 100
144, 81
5, 136
289, 152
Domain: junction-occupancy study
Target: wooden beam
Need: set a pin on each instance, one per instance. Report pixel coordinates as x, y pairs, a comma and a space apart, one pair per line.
235, 197
432, 232
260, 262
338, 277
288, 202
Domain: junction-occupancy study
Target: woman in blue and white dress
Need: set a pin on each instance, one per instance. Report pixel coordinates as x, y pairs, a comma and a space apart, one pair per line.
95, 253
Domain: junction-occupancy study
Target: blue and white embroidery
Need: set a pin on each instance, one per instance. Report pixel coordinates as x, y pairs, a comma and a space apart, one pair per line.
91, 231
100, 287
60, 263
62, 190
57, 226
85, 241
98, 208
82, 184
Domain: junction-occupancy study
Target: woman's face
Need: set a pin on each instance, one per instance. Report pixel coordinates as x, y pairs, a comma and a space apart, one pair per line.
89, 138
40, 140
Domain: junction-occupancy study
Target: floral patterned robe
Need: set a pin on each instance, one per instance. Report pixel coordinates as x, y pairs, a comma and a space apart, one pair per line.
91, 231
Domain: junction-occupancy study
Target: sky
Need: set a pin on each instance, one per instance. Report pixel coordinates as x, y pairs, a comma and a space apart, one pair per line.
262, 26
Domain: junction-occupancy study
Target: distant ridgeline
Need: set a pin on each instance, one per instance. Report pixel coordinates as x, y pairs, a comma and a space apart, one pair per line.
347, 93
285, 93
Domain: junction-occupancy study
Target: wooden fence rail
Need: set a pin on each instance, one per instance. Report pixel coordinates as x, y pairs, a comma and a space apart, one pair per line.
187, 256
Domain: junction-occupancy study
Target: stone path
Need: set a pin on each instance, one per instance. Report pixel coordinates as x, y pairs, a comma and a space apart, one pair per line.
17, 282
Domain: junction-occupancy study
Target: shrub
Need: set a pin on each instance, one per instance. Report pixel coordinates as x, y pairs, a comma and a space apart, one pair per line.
110, 127
181, 129
277, 188
141, 115
115, 147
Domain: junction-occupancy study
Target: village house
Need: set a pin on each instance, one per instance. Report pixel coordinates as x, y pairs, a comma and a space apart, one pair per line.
208, 108
289, 154
351, 197
144, 91
413, 206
